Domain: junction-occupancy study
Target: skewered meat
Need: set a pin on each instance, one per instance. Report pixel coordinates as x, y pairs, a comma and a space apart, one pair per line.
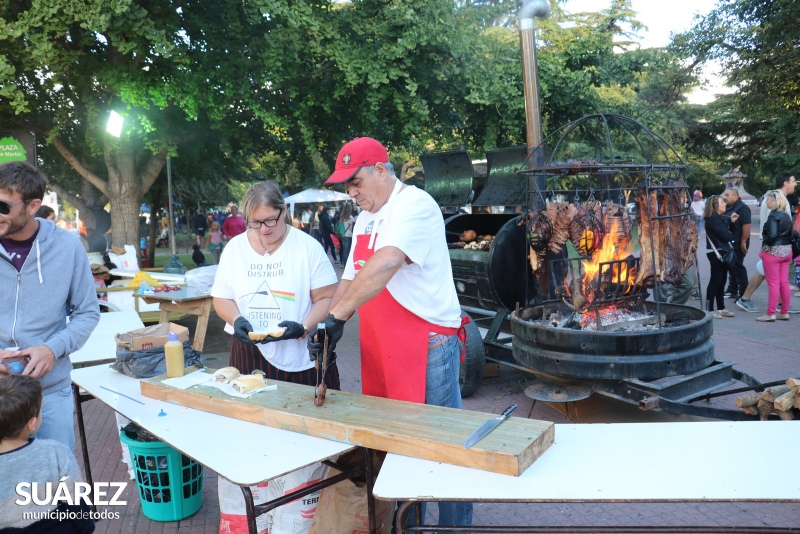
560, 216
586, 230
617, 224
664, 258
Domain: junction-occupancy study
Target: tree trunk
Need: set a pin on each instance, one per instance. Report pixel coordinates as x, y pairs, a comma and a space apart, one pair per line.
125, 194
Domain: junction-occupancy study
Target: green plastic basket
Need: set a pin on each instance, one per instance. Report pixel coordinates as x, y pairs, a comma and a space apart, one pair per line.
170, 484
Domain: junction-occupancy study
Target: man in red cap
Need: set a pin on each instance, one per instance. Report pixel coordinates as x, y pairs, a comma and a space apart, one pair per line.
398, 277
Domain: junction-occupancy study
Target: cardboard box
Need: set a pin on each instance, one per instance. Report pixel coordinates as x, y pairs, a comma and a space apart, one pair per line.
151, 336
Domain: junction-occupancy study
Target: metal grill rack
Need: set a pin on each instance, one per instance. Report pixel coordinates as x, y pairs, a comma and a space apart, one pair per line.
607, 157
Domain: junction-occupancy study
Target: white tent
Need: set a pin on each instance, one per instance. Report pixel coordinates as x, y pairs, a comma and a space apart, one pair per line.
311, 196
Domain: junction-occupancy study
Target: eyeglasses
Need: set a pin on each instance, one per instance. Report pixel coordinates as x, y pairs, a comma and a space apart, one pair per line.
269, 223
5, 207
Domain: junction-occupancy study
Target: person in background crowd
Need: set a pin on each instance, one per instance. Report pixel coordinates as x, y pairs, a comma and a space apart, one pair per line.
46, 212
786, 184
741, 236
776, 254
719, 235
45, 276
346, 223
198, 257
199, 223
402, 286
220, 218
305, 219
214, 242
235, 224
325, 231
698, 206
315, 223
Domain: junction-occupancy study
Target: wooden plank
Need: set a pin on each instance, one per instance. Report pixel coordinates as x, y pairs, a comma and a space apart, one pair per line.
418, 430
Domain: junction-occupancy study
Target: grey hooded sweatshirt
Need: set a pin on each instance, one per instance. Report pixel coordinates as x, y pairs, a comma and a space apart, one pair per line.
34, 302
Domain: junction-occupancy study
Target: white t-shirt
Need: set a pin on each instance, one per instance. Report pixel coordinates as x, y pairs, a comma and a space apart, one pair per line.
412, 221
698, 207
269, 289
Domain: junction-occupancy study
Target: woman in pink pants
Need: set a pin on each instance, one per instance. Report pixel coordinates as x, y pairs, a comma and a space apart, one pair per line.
776, 254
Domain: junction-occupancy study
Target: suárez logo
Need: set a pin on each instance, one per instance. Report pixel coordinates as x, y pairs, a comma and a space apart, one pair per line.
72, 493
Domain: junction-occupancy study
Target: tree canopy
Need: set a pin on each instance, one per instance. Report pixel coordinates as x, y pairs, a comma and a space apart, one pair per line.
757, 126
268, 89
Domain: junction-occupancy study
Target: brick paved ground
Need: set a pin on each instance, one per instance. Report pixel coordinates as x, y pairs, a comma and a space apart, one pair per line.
767, 351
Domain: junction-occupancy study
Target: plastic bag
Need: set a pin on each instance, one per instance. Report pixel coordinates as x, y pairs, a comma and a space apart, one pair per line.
232, 511
142, 276
202, 276
295, 517
126, 261
150, 362
343, 506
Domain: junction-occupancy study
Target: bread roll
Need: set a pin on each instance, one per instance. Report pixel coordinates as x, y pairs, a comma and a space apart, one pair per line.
247, 383
226, 374
275, 331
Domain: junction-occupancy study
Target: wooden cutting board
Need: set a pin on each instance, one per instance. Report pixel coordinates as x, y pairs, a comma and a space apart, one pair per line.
407, 428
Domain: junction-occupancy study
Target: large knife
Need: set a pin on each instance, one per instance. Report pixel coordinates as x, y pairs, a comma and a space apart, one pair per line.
488, 426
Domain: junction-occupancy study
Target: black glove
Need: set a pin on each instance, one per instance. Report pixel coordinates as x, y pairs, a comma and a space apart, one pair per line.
293, 330
334, 328
315, 348
241, 327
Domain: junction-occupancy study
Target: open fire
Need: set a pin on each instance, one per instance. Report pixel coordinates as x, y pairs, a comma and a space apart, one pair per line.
605, 285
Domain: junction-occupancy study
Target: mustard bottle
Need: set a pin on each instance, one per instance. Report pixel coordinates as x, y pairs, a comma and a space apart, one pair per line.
173, 353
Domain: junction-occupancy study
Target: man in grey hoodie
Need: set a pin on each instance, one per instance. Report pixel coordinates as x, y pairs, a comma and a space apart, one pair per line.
44, 276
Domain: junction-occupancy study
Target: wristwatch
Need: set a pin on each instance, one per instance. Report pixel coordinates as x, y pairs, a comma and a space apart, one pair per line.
305, 330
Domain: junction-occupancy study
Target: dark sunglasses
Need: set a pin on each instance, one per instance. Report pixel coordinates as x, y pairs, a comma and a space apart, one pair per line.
5, 207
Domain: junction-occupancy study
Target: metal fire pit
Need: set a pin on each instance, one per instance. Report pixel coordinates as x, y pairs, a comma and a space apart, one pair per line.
681, 346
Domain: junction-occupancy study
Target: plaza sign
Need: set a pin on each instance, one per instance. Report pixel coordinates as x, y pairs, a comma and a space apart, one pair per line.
17, 146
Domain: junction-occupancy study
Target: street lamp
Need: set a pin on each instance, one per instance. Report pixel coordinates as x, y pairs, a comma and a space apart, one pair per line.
114, 127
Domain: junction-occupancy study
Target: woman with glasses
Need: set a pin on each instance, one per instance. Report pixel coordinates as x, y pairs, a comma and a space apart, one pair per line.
273, 277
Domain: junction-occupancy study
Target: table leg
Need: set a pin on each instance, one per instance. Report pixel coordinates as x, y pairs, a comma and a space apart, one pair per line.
87, 468
164, 317
370, 476
250, 510
202, 325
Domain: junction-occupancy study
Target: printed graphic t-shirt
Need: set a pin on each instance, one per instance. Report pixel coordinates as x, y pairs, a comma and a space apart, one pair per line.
18, 251
269, 289
411, 221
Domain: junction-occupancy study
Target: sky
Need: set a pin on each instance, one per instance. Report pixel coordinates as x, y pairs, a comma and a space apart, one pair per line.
663, 18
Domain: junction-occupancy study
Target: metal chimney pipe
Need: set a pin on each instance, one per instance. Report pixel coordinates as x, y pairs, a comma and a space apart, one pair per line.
533, 115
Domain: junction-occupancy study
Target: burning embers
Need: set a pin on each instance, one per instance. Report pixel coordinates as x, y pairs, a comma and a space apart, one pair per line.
611, 319
603, 285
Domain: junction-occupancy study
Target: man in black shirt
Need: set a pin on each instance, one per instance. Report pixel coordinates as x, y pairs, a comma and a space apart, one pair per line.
325, 230
741, 237
199, 223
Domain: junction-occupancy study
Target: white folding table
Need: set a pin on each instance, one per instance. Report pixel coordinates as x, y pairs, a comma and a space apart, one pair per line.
245, 453
634, 462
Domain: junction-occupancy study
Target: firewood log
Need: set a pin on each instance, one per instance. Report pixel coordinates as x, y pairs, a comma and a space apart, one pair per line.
751, 399
785, 401
750, 410
793, 383
787, 415
770, 394
797, 402
764, 409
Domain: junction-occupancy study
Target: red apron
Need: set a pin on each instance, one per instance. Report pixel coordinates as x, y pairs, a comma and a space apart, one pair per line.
394, 341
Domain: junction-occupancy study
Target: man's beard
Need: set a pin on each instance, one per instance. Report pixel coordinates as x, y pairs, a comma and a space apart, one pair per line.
14, 225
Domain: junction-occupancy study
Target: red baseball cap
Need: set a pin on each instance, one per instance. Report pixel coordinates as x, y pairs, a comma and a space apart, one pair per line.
360, 152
